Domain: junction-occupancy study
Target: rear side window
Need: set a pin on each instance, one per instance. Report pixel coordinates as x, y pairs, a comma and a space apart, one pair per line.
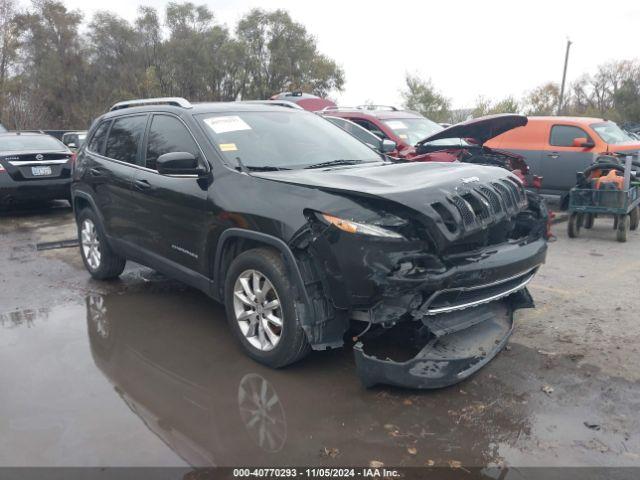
124, 138
166, 135
563, 135
354, 129
372, 127
97, 141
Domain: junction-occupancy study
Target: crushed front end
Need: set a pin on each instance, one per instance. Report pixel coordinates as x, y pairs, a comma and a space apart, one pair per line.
435, 294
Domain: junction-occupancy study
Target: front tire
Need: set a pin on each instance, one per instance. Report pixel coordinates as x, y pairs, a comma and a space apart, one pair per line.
98, 257
574, 224
261, 308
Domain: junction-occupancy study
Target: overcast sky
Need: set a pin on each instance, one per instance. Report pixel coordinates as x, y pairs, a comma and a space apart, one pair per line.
468, 48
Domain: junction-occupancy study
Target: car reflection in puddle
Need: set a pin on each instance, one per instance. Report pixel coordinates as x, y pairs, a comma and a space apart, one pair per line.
262, 412
173, 361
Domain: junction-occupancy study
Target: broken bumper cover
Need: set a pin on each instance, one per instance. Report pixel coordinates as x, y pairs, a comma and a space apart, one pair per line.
456, 345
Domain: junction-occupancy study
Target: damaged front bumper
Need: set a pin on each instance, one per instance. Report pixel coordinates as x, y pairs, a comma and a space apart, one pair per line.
440, 350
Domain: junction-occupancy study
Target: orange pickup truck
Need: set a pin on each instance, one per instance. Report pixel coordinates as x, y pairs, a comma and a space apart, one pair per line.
555, 148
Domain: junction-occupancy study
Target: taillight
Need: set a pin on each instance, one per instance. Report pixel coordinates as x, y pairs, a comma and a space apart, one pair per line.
72, 161
2, 168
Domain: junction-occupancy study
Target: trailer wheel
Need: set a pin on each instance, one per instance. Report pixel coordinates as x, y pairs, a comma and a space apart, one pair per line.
588, 220
634, 218
623, 228
573, 227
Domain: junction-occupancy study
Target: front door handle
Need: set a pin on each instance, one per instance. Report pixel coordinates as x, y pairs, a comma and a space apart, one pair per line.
96, 172
142, 185
553, 155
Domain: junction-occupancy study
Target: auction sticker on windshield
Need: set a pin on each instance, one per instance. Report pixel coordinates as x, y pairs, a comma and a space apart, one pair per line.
396, 125
228, 147
226, 124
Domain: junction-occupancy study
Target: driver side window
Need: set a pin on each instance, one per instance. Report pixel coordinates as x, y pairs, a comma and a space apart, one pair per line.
167, 134
563, 135
372, 127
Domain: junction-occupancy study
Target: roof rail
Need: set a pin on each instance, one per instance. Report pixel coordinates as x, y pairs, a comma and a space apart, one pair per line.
277, 103
332, 108
377, 107
175, 101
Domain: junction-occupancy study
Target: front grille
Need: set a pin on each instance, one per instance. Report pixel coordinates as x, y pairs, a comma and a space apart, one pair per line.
479, 206
464, 209
519, 191
508, 199
492, 198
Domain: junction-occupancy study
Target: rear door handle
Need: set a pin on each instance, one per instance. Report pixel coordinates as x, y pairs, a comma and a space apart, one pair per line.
142, 185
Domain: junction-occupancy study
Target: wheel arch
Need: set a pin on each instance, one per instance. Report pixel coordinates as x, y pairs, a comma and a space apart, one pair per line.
249, 239
81, 200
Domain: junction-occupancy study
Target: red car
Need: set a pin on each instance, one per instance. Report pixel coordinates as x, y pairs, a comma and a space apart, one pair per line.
306, 101
419, 139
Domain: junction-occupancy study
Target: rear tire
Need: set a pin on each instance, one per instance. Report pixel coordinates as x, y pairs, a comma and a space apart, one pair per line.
634, 218
256, 281
98, 257
574, 224
623, 228
589, 220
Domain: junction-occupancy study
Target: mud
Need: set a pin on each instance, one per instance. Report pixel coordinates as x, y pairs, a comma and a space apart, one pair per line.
143, 371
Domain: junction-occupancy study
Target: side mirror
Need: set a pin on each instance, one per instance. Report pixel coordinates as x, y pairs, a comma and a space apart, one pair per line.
178, 163
387, 146
583, 142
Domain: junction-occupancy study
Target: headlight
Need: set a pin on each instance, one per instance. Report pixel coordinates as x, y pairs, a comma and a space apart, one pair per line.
350, 226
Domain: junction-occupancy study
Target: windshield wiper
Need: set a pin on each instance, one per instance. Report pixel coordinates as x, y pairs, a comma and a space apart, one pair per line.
265, 168
334, 162
257, 168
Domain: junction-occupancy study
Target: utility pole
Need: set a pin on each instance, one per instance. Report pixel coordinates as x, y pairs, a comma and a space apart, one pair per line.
564, 77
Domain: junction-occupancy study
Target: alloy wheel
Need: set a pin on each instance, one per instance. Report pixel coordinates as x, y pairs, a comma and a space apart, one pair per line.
257, 309
90, 244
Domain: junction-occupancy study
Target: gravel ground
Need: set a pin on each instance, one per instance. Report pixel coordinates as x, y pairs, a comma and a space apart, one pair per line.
143, 371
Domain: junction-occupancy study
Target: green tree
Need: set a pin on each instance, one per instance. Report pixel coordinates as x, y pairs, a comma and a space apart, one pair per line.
485, 106
8, 47
116, 62
52, 65
542, 100
280, 55
421, 96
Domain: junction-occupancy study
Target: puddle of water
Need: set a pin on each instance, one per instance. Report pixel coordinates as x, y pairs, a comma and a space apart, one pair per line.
180, 381
56, 409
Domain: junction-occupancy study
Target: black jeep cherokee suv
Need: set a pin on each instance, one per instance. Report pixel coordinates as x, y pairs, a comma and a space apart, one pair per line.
303, 232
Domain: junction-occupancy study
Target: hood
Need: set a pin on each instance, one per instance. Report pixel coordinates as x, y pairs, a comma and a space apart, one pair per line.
624, 148
415, 184
480, 129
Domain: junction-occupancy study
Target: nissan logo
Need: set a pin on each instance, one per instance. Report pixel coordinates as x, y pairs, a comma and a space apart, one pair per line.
39, 157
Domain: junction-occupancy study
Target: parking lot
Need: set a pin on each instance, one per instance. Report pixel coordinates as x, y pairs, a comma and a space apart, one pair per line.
143, 371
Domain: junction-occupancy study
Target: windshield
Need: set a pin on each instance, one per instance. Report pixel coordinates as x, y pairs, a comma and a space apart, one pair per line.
282, 139
15, 143
412, 130
609, 132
